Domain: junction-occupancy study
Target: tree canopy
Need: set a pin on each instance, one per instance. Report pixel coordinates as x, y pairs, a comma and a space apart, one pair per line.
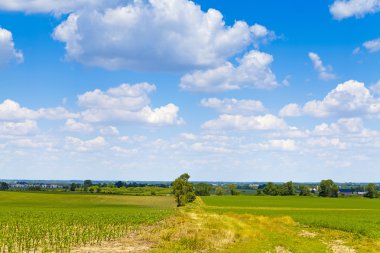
183, 190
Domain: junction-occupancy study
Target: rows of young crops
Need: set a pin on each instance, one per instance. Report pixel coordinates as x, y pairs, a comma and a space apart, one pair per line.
59, 226
356, 215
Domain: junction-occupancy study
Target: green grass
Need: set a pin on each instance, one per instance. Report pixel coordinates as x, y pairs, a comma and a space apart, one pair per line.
57, 222
356, 215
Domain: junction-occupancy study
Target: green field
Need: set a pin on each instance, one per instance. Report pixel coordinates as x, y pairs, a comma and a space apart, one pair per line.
357, 215
58, 222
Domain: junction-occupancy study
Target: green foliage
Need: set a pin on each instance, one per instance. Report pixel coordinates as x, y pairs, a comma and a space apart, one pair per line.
233, 189
219, 190
371, 191
120, 184
360, 216
51, 222
4, 186
327, 188
271, 189
183, 190
203, 189
287, 189
304, 191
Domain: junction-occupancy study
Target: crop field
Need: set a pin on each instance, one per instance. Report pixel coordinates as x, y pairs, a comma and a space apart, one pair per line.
357, 215
46, 222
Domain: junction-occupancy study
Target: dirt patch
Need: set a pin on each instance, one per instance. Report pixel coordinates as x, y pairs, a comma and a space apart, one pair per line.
280, 249
338, 246
307, 234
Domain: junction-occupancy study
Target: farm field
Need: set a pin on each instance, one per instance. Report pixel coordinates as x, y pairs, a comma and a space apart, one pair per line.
49, 222
354, 220
58, 222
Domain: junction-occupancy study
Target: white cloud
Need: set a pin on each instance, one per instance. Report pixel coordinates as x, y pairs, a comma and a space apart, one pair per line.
290, 110
234, 106
11, 110
53, 6
123, 151
109, 130
253, 71
375, 88
325, 72
372, 45
18, 128
7, 48
74, 126
285, 145
347, 99
154, 35
126, 103
342, 9
341, 127
261, 35
327, 142
240, 122
79, 145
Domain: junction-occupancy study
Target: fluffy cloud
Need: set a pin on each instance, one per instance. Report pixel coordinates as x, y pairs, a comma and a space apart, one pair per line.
285, 145
240, 122
53, 6
11, 110
253, 71
154, 35
341, 9
376, 88
72, 125
327, 143
343, 125
372, 45
325, 72
347, 99
233, 106
18, 128
79, 145
7, 48
126, 103
290, 110
261, 35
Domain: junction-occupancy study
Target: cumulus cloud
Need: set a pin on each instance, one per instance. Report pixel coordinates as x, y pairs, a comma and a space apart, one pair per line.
325, 72
18, 128
290, 110
240, 122
8, 52
76, 144
252, 71
155, 35
327, 142
233, 106
376, 88
343, 125
372, 45
347, 99
342, 9
280, 144
126, 103
11, 110
72, 125
54, 6
261, 35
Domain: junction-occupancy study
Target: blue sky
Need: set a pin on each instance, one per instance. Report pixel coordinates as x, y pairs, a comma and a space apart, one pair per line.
147, 89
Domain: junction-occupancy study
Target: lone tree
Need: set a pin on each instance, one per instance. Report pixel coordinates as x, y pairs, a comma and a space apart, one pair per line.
327, 188
371, 191
183, 190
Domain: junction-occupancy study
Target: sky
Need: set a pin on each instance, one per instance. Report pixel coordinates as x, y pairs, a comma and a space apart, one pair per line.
259, 90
